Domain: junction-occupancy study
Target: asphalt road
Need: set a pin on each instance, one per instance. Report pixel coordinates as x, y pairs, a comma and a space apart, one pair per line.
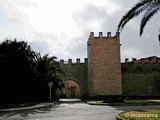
69, 109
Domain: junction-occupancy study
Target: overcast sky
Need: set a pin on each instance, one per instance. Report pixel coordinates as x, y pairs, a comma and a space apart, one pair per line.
62, 27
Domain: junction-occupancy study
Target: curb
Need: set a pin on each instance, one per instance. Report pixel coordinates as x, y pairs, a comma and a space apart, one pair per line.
120, 118
40, 105
84, 101
92, 103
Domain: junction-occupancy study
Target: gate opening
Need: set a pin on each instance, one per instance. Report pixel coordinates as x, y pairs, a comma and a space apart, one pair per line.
72, 89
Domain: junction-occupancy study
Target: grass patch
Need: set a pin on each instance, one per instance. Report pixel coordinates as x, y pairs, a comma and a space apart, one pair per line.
126, 102
141, 115
142, 102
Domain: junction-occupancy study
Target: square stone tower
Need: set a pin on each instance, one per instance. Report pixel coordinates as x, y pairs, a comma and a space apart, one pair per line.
104, 66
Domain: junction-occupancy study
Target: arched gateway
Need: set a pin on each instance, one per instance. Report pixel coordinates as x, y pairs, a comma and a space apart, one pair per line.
72, 89
100, 73
77, 72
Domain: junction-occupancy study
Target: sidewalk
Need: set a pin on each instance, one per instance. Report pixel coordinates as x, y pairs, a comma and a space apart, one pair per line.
40, 105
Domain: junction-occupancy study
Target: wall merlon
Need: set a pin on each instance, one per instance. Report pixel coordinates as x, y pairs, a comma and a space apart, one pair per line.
108, 34
69, 61
101, 34
91, 34
118, 35
61, 61
78, 60
85, 60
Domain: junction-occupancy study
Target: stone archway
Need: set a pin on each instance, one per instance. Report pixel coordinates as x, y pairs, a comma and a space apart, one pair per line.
72, 89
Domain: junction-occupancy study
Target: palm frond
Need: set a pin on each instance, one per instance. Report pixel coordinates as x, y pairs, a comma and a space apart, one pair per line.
148, 14
135, 11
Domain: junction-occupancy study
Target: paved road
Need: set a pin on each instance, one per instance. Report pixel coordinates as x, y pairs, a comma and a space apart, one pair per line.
73, 109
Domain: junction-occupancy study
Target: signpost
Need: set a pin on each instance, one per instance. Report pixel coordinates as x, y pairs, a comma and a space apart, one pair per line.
50, 84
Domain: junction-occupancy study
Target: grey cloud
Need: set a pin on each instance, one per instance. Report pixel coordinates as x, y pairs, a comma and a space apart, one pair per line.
78, 47
40, 46
11, 10
89, 12
44, 42
87, 15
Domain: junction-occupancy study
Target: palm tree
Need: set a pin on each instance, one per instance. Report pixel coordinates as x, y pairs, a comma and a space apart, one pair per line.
149, 7
48, 70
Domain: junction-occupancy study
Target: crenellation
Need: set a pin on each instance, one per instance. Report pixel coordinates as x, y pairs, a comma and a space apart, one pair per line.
109, 35
70, 61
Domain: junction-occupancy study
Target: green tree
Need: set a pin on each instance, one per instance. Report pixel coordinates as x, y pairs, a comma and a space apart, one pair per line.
149, 7
17, 66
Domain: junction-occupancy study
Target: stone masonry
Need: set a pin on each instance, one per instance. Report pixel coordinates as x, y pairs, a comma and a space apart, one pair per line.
104, 65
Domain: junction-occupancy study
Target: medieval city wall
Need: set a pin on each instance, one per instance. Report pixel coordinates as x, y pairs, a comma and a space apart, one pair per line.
102, 74
138, 80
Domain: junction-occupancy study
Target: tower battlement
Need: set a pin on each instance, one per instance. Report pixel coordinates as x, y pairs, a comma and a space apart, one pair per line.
108, 35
